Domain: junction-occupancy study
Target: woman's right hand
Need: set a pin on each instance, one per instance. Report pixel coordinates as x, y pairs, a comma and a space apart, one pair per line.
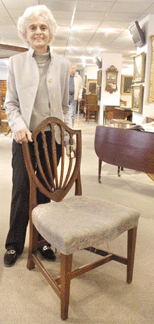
23, 135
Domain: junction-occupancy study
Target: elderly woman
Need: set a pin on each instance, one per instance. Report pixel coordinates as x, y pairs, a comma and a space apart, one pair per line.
37, 88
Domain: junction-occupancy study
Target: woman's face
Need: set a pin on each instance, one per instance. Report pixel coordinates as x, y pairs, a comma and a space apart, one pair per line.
38, 34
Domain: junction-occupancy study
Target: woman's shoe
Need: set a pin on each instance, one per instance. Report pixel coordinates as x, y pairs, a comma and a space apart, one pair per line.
10, 257
47, 253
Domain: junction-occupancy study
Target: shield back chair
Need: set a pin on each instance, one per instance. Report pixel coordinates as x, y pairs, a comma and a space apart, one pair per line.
75, 222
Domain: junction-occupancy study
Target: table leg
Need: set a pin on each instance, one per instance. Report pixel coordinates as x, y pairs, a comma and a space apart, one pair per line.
99, 170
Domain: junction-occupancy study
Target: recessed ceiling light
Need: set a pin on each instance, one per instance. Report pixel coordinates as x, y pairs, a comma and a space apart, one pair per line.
110, 30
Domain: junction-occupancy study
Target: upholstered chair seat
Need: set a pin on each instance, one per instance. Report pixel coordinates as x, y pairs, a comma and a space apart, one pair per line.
79, 222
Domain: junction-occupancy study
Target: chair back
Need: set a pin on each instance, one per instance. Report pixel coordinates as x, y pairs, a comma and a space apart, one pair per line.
92, 108
91, 99
45, 174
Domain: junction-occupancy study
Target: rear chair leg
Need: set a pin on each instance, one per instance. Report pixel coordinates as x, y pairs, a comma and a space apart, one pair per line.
33, 241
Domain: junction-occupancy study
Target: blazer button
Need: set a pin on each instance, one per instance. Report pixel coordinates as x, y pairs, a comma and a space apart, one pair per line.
53, 110
50, 80
53, 96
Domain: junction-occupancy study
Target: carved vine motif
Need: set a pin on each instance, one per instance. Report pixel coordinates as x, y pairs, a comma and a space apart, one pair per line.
111, 79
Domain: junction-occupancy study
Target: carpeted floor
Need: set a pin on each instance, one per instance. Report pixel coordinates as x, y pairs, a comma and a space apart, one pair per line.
102, 295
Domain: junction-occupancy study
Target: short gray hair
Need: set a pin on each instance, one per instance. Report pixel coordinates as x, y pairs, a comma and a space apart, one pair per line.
73, 64
35, 11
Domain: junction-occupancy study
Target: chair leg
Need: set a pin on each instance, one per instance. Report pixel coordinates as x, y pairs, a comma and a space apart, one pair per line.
33, 242
66, 266
96, 116
131, 253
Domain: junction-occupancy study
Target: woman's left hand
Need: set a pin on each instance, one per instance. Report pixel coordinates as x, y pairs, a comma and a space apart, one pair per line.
23, 135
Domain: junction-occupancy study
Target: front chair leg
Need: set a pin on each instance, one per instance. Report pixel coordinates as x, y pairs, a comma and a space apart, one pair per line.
131, 253
66, 267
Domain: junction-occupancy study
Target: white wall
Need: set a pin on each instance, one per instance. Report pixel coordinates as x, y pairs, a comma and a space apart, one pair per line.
128, 99
111, 99
82, 73
147, 24
91, 72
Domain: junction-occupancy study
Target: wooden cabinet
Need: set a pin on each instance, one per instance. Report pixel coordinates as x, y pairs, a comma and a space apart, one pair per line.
4, 127
114, 112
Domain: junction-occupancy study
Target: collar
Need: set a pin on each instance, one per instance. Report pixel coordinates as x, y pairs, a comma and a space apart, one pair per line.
31, 52
74, 75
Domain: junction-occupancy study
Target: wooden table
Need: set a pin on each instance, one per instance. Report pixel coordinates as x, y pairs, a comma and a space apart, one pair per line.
115, 112
125, 147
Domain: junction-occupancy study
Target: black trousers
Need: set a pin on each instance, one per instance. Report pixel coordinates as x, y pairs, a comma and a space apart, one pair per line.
19, 214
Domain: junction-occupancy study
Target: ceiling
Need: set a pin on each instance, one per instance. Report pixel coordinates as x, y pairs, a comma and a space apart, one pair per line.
86, 28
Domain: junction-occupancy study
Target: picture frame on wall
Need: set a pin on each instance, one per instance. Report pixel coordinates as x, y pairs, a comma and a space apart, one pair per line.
126, 84
111, 79
139, 67
151, 86
137, 98
92, 86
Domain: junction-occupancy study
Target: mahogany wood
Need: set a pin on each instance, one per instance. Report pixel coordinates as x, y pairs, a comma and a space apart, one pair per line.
115, 112
66, 266
56, 188
13, 48
126, 147
131, 253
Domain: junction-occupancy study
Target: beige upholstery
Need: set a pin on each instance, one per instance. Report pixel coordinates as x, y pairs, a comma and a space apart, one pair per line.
79, 222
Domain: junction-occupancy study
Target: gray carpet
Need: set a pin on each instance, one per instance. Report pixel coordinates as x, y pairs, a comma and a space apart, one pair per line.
102, 295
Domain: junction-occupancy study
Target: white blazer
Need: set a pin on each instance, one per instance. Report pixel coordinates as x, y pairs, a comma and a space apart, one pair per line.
78, 87
22, 85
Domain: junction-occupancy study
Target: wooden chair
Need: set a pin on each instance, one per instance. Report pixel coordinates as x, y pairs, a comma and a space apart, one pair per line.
123, 103
73, 223
83, 102
92, 107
